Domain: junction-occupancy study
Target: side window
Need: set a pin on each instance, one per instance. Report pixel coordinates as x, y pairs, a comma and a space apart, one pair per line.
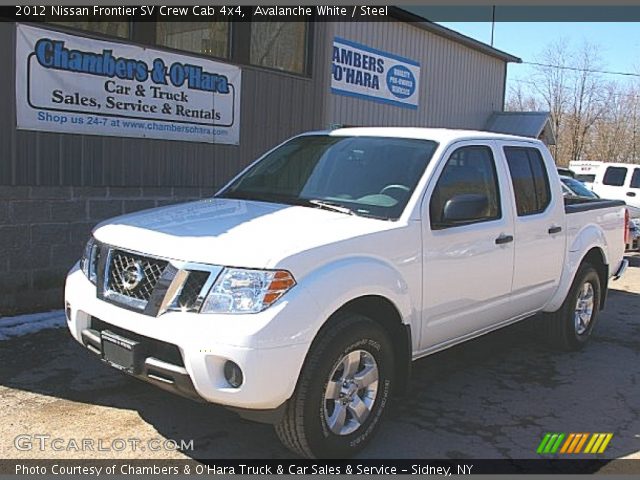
615, 176
468, 184
206, 38
635, 179
529, 178
280, 45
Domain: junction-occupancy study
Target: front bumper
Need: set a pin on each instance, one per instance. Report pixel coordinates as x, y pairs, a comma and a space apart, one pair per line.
269, 347
168, 374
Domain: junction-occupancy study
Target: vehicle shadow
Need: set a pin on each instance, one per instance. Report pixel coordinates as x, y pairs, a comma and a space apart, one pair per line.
494, 397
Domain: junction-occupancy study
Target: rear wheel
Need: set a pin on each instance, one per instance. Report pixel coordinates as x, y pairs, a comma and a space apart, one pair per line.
570, 327
342, 392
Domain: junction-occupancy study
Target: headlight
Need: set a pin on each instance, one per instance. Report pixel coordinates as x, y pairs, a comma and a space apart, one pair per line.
89, 260
237, 290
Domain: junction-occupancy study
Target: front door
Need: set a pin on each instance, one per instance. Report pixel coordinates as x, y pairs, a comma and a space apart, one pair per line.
467, 262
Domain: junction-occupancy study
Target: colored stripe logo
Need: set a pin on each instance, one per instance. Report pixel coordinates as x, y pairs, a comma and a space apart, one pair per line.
562, 443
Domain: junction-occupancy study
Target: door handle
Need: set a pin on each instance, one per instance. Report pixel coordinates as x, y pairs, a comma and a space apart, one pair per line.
502, 239
631, 194
553, 230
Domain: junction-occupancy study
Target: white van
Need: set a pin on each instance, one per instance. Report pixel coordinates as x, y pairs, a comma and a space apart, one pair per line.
585, 170
619, 181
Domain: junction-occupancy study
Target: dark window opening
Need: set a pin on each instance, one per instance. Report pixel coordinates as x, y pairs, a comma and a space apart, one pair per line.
112, 29
468, 171
635, 178
585, 177
529, 179
205, 38
279, 45
615, 176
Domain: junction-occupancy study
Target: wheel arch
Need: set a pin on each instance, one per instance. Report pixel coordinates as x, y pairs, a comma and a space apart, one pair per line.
594, 256
385, 313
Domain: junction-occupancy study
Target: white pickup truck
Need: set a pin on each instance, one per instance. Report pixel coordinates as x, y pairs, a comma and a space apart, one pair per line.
300, 293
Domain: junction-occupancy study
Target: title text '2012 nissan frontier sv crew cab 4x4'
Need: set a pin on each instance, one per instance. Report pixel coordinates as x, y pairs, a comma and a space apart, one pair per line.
301, 292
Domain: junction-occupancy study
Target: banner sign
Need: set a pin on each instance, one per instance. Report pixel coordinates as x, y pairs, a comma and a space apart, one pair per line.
361, 71
67, 83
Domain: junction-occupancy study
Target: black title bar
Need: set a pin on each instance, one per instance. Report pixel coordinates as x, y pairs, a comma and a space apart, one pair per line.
320, 13
315, 467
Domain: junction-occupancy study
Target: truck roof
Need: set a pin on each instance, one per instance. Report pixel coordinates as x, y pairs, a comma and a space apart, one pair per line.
441, 135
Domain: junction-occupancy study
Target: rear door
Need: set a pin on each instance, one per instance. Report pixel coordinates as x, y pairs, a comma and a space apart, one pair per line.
539, 226
467, 265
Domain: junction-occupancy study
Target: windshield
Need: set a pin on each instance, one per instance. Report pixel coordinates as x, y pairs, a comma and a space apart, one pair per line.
367, 176
578, 188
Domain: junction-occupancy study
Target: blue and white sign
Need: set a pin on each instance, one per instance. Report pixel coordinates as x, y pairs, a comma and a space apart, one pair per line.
74, 84
361, 71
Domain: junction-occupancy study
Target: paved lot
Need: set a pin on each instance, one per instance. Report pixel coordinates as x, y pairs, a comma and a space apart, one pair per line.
491, 398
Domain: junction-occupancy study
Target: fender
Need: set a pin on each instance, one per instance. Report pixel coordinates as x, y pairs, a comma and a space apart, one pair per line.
326, 289
336, 283
589, 237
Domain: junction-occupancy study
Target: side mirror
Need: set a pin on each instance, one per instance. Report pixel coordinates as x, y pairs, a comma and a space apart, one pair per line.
464, 207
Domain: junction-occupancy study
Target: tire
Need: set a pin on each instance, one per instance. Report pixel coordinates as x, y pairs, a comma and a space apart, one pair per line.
566, 329
311, 426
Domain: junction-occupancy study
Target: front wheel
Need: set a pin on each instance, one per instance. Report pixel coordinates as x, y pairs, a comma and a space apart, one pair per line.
570, 327
342, 392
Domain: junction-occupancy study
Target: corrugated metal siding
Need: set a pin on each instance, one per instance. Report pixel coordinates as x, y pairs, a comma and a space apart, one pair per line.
529, 124
274, 107
459, 87
7, 101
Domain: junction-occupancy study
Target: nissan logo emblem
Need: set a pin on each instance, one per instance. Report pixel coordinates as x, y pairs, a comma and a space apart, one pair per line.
131, 276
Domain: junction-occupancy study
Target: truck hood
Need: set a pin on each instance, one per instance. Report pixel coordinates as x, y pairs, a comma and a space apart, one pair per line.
232, 232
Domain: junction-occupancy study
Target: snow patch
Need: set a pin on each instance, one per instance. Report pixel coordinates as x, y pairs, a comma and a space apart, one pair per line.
20, 325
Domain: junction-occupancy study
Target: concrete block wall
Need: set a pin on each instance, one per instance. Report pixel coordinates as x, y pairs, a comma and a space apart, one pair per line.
43, 231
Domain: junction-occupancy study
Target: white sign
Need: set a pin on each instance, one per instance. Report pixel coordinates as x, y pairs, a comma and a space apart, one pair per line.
361, 71
66, 83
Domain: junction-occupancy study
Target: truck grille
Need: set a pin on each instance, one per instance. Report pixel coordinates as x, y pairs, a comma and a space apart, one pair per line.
142, 283
133, 275
191, 290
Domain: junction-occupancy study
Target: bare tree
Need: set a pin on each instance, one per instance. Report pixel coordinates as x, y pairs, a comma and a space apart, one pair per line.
615, 127
592, 119
552, 84
587, 98
521, 100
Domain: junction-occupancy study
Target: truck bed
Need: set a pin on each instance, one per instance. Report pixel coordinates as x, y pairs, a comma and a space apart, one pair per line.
583, 204
606, 216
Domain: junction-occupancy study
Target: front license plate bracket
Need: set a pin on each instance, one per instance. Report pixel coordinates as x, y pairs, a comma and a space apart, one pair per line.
121, 352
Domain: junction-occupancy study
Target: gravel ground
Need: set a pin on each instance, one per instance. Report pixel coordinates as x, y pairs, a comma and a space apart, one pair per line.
494, 397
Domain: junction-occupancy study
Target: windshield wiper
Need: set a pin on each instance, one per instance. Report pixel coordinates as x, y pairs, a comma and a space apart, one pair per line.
287, 200
255, 196
331, 206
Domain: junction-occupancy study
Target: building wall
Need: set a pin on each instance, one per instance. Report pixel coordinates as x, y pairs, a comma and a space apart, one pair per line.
55, 187
44, 228
273, 106
459, 87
